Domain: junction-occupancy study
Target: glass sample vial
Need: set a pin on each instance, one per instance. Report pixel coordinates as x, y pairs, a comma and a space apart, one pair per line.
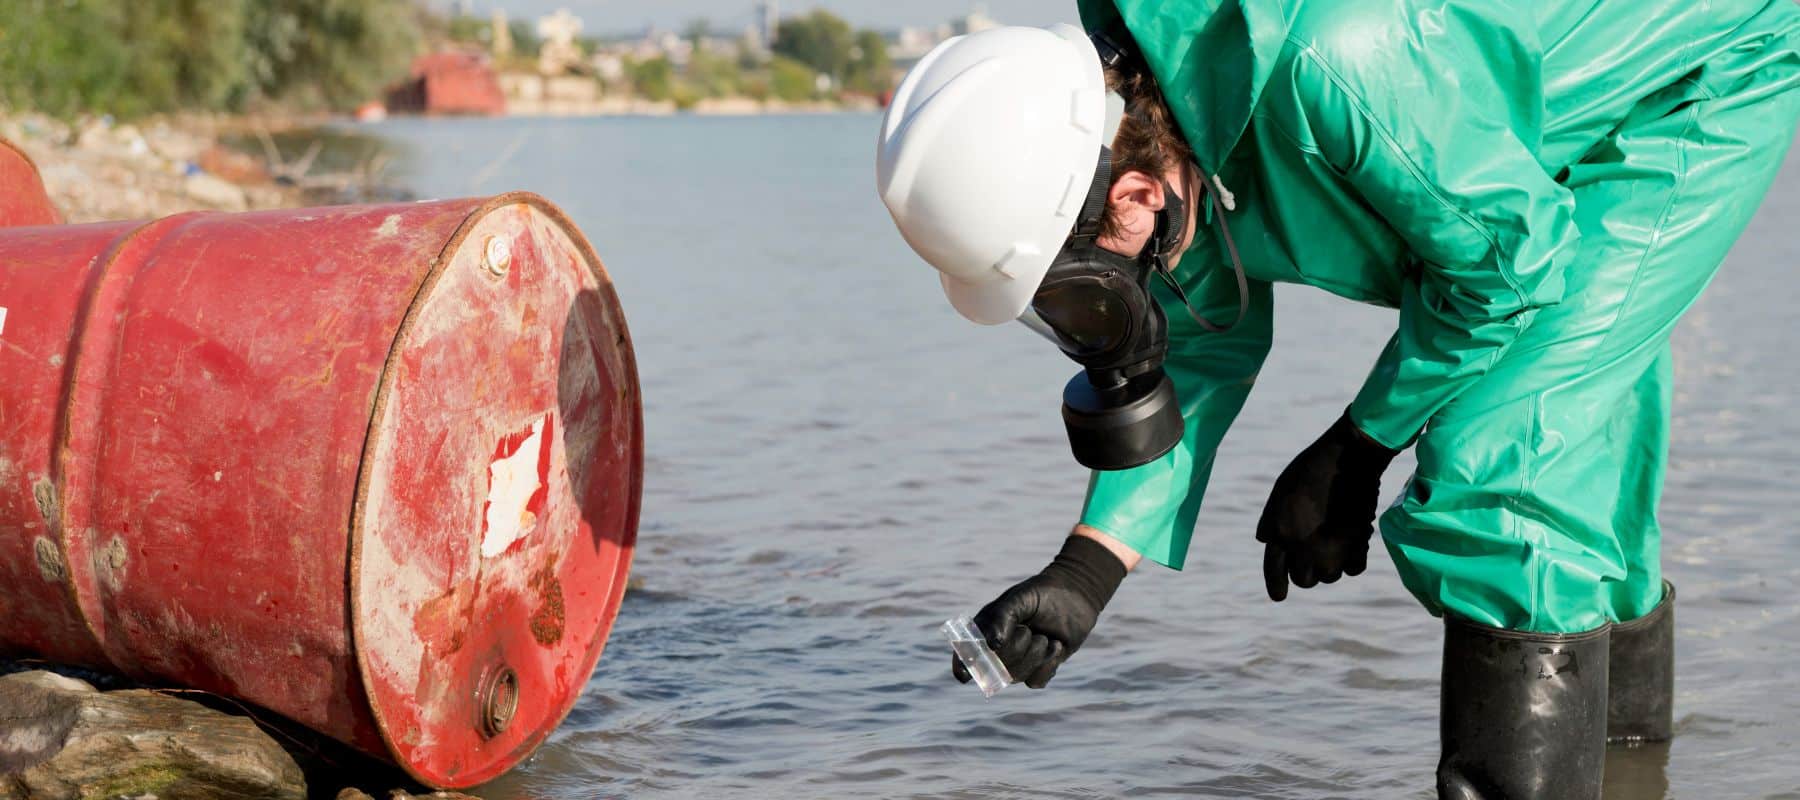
972, 650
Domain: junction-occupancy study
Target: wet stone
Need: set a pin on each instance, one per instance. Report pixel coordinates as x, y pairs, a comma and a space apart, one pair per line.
61, 739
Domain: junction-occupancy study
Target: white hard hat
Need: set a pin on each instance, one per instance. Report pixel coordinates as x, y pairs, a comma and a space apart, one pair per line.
987, 155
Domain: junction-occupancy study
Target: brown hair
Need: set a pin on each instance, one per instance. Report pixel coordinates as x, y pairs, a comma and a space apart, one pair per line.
1148, 140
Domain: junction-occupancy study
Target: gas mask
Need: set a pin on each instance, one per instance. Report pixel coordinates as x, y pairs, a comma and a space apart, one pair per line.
1121, 410
1094, 304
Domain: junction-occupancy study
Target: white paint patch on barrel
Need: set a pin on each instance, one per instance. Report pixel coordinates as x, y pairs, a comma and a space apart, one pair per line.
2, 319
511, 483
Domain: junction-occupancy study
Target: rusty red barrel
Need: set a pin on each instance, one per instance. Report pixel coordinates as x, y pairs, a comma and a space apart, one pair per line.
22, 197
375, 468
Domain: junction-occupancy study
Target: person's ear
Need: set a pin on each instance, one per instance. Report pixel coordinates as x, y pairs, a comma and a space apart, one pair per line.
1135, 197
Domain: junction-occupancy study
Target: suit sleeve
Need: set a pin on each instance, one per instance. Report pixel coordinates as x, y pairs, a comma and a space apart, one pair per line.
1152, 508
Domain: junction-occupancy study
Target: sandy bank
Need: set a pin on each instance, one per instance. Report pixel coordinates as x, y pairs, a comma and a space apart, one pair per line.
98, 170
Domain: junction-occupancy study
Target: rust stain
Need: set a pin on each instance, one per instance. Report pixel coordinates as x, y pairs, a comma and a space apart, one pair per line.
547, 622
441, 621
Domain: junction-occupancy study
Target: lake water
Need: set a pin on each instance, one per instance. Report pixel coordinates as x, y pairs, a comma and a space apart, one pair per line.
837, 463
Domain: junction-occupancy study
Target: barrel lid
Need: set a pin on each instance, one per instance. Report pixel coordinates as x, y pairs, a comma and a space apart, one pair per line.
497, 503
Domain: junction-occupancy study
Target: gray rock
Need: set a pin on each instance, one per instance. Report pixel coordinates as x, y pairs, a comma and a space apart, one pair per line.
60, 739
216, 192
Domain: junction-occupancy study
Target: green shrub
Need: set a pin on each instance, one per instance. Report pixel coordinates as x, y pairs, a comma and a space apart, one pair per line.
130, 58
653, 79
791, 80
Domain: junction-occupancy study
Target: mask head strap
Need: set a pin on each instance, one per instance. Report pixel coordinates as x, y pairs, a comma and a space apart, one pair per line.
1113, 43
1171, 223
1093, 209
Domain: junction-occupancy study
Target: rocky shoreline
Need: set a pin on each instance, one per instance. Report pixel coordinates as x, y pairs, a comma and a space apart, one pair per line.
74, 734
95, 169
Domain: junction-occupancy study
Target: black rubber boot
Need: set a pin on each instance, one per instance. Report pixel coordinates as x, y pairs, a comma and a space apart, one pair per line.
1640, 697
1524, 714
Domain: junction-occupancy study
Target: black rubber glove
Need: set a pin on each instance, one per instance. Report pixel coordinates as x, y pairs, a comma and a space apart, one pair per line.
1321, 514
1035, 626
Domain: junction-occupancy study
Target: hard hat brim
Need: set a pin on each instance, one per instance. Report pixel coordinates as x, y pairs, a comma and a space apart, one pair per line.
990, 302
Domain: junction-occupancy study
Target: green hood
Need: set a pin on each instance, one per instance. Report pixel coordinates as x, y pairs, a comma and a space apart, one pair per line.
1211, 58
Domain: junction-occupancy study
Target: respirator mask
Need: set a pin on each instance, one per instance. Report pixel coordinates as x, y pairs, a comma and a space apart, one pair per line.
1120, 410
1095, 305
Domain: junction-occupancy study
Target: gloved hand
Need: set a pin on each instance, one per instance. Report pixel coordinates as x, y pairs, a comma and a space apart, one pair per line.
1035, 626
1321, 513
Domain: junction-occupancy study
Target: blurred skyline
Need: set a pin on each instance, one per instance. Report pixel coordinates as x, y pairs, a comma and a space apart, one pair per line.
605, 17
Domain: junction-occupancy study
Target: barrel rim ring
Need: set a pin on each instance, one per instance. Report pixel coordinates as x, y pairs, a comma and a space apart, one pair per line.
87, 353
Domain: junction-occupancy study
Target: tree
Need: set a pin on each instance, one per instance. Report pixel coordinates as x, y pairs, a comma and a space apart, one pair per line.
696, 32
820, 40
333, 53
791, 80
526, 41
191, 54
65, 57
714, 74
472, 30
69, 56
871, 71
653, 79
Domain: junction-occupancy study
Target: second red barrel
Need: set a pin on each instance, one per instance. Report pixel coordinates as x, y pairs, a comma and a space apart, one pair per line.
22, 197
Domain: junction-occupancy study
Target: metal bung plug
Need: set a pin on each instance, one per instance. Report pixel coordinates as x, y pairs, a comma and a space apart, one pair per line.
499, 700
496, 255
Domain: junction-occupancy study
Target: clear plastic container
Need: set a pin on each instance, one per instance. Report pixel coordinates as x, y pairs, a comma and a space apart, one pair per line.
972, 650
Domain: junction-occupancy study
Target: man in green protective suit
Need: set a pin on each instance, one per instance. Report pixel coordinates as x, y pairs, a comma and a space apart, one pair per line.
1541, 189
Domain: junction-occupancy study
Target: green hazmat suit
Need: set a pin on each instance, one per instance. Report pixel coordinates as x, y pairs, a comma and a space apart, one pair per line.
1541, 189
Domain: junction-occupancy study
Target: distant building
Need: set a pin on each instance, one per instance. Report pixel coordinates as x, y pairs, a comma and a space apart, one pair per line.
559, 53
666, 44
976, 21
768, 15
911, 44
449, 83
906, 47
608, 66
751, 41
500, 35
528, 93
